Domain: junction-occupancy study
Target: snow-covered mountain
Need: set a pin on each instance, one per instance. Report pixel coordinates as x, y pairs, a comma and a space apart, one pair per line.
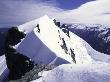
50, 45
97, 35
46, 43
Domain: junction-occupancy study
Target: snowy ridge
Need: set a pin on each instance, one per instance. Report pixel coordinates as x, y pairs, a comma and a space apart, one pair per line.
80, 50
48, 28
95, 55
29, 26
97, 35
46, 43
74, 42
62, 46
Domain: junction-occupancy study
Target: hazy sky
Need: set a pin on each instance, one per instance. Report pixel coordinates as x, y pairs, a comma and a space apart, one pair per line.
15, 12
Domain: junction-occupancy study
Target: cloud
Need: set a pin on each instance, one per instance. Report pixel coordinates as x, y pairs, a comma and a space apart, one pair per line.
90, 12
14, 12
20, 11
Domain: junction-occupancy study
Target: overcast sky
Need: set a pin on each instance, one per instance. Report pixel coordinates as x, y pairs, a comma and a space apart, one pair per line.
15, 12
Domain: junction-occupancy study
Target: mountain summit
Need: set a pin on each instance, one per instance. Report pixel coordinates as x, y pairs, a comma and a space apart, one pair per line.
49, 44
46, 41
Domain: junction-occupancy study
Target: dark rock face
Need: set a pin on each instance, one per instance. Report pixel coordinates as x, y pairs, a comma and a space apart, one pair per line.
72, 55
17, 63
64, 46
56, 23
97, 36
34, 73
14, 36
65, 29
38, 29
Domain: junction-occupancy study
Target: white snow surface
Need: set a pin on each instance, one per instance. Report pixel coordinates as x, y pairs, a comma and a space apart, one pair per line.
95, 55
29, 26
95, 72
45, 46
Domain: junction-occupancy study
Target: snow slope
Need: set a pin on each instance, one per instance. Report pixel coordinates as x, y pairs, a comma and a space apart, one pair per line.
96, 72
95, 55
43, 45
52, 46
97, 35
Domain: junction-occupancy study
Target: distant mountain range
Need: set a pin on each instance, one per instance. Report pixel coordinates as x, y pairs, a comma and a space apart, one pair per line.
97, 35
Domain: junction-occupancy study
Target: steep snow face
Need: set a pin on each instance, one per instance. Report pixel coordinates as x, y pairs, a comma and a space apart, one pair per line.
82, 56
96, 72
53, 38
47, 43
32, 47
